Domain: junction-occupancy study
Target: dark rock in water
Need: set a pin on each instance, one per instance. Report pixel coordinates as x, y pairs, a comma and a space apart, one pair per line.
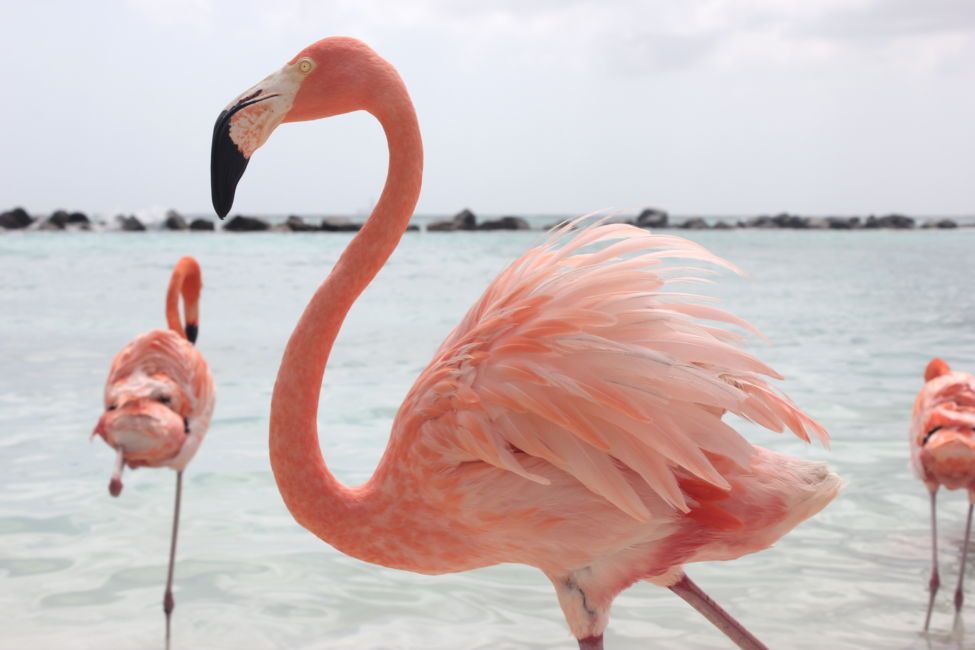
844, 223
174, 221
412, 228
463, 220
695, 223
202, 224
781, 220
652, 218
940, 223
504, 223
723, 225
294, 223
761, 222
129, 223
57, 221
15, 219
240, 223
896, 221
333, 224
79, 220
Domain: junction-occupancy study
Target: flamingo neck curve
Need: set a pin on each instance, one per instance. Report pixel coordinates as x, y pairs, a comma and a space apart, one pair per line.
186, 282
316, 499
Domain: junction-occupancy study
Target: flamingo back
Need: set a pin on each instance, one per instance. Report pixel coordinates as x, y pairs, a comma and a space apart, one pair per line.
581, 354
159, 399
942, 433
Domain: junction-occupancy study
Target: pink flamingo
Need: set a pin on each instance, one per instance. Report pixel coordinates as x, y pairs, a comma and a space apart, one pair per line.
942, 440
159, 398
571, 422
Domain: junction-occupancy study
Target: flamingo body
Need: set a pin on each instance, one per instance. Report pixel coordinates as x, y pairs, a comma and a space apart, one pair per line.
159, 398
942, 434
571, 422
942, 443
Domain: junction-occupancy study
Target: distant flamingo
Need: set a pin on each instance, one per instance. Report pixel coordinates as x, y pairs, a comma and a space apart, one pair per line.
159, 399
943, 454
571, 422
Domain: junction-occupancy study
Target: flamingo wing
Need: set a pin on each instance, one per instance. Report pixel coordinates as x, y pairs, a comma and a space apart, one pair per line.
580, 354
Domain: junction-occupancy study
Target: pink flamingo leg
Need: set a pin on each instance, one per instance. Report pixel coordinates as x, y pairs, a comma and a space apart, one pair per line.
591, 643
115, 485
690, 592
935, 581
959, 592
168, 603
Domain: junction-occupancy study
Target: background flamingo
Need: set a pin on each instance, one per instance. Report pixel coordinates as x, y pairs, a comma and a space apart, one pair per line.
942, 440
159, 398
571, 422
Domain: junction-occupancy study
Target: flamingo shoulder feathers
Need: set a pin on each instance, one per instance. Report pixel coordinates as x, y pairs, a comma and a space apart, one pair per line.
578, 354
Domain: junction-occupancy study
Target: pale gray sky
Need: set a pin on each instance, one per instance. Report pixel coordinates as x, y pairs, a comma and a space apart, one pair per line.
696, 106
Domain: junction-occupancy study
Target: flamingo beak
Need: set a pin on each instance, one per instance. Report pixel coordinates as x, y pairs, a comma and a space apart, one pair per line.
227, 161
245, 125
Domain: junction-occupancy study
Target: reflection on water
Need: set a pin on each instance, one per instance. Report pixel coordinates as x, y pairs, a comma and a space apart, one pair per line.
852, 318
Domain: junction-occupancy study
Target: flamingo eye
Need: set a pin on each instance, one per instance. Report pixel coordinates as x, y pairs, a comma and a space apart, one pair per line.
305, 66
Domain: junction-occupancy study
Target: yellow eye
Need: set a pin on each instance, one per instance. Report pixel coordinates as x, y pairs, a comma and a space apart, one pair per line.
305, 66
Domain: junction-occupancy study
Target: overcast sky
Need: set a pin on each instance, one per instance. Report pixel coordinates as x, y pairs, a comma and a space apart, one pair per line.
695, 106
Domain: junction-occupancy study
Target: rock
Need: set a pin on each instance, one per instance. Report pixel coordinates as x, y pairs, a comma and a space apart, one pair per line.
130, 223
174, 221
652, 218
723, 225
940, 223
504, 223
896, 221
295, 223
761, 222
239, 223
335, 224
781, 220
15, 219
412, 228
694, 223
817, 223
844, 223
201, 224
463, 220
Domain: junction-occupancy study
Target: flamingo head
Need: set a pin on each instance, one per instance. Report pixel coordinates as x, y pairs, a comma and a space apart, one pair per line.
333, 76
144, 422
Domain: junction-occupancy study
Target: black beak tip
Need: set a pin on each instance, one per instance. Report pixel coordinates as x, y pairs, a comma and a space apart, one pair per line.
192, 330
227, 165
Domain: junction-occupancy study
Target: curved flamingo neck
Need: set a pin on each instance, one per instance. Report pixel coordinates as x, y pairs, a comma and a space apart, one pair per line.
316, 499
186, 281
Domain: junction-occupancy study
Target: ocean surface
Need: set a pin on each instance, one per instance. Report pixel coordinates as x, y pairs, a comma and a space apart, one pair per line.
852, 318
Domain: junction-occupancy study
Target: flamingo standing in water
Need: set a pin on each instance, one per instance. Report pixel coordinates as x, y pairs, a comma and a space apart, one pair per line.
571, 422
159, 398
942, 440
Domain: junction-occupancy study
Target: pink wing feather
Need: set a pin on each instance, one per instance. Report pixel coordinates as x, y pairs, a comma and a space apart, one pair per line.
578, 355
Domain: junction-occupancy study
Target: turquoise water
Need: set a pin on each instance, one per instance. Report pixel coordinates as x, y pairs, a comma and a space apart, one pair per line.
852, 319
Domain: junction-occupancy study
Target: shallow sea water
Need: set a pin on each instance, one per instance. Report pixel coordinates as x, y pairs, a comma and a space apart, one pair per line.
852, 318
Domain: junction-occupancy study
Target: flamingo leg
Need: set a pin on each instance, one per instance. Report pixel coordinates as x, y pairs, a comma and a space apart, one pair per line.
959, 592
115, 485
696, 598
168, 603
591, 643
935, 581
